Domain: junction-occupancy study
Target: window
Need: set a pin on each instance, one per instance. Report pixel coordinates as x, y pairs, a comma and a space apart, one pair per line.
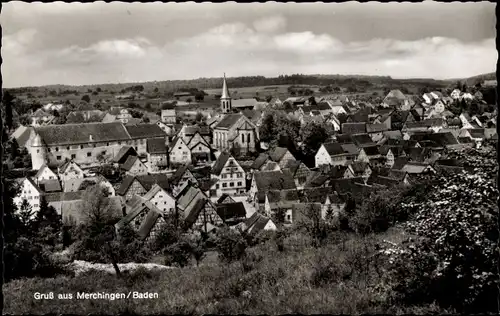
81, 146
199, 148
248, 138
224, 185
231, 184
38, 150
239, 183
51, 177
165, 202
288, 217
89, 154
217, 186
119, 143
156, 203
104, 152
180, 147
107, 144
67, 148
35, 205
94, 145
73, 156
58, 158
57, 148
242, 138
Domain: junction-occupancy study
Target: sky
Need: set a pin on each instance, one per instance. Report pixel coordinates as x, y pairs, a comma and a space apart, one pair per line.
97, 43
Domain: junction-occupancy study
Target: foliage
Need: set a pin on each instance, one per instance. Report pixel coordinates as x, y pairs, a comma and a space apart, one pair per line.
86, 98
313, 136
7, 101
230, 245
453, 259
136, 114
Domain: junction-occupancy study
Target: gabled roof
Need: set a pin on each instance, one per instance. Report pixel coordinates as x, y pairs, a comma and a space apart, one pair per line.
316, 179
156, 146
259, 161
255, 224
225, 197
193, 212
177, 176
277, 153
32, 182
399, 163
220, 163
229, 120
350, 148
80, 133
371, 150
64, 196
376, 128
149, 180
363, 140
315, 195
231, 211
344, 138
334, 149
359, 167
124, 153
129, 163
145, 131
274, 180
50, 186
192, 130
353, 128
415, 167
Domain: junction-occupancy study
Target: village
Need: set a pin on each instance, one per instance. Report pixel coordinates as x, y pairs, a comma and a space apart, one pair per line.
232, 166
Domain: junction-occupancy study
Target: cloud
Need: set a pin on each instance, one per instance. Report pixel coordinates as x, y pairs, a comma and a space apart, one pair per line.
239, 49
270, 24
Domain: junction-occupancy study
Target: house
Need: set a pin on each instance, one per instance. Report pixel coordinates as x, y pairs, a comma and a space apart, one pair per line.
333, 120
120, 114
123, 154
281, 156
142, 216
196, 210
232, 213
179, 152
335, 154
168, 129
299, 171
139, 133
376, 131
75, 185
391, 153
45, 173
455, 94
53, 107
30, 192
362, 140
69, 170
180, 177
199, 133
235, 131
331, 203
255, 116
134, 166
256, 224
433, 124
230, 175
86, 116
358, 170
280, 200
269, 180
200, 149
418, 168
448, 165
317, 179
395, 98
157, 153
161, 199
168, 114
260, 163
225, 198
140, 185
41, 117
368, 153
353, 128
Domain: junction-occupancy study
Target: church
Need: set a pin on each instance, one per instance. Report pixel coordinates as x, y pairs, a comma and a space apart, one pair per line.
234, 130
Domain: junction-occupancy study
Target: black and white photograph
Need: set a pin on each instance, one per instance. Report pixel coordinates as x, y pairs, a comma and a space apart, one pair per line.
249, 158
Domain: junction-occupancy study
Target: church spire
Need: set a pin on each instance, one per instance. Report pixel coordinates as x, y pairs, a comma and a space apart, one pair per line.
225, 91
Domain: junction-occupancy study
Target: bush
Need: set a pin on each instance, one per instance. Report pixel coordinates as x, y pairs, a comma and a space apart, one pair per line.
230, 245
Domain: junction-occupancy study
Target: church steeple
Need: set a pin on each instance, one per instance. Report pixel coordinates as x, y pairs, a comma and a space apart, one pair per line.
225, 99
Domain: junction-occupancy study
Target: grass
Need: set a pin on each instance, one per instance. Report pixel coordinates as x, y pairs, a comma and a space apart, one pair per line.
300, 279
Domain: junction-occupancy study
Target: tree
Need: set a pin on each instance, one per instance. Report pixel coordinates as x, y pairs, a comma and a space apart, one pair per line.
136, 113
189, 100
230, 245
24, 120
268, 127
269, 98
156, 90
145, 119
312, 101
86, 98
14, 149
8, 101
26, 215
313, 136
199, 117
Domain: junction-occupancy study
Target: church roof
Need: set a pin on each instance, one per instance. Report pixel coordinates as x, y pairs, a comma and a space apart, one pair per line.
225, 91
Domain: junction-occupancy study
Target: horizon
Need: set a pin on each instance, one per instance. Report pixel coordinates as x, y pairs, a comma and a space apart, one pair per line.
124, 43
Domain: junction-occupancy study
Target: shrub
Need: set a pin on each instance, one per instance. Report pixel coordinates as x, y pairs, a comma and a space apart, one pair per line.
230, 245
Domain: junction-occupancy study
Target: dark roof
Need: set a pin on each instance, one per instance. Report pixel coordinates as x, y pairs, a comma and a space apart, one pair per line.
316, 179
344, 138
223, 197
375, 128
80, 133
382, 180
195, 211
334, 149
149, 222
156, 178
274, 180
177, 176
315, 195
362, 140
231, 211
50, 186
145, 131
359, 167
323, 106
124, 153
276, 196
127, 181
220, 163
277, 153
202, 130
371, 151
337, 172
255, 224
399, 163
156, 146
259, 161
353, 128
127, 165
205, 185
229, 120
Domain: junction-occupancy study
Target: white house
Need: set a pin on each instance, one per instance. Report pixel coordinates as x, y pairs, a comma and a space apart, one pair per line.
455, 94
161, 199
230, 175
70, 170
30, 192
44, 174
179, 152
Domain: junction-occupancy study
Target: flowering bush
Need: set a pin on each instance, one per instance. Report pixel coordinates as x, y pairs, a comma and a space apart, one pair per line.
452, 259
